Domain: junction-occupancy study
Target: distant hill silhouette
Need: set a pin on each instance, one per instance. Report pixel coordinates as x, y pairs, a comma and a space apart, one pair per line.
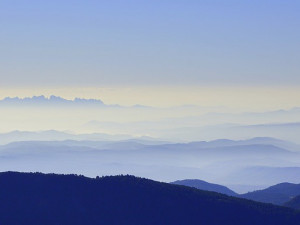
58, 101
278, 194
294, 203
51, 100
205, 186
35, 199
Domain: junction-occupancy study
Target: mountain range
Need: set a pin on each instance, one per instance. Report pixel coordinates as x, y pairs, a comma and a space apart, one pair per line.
256, 162
51, 100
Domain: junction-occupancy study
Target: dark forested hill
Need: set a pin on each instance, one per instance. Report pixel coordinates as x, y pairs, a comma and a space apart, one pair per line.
277, 194
35, 199
203, 185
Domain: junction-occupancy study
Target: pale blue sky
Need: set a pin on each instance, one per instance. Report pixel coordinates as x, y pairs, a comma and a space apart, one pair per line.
153, 42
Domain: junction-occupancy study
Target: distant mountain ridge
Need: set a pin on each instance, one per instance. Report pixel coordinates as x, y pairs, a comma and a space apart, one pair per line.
54, 135
205, 186
253, 164
51, 100
253, 141
285, 194
43, 100
50, 199
278, 194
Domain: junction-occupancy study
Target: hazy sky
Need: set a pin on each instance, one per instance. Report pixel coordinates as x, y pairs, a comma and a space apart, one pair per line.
92, 42
140, 43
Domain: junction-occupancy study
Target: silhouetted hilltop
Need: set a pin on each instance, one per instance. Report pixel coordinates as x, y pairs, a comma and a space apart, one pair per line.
35, 199
277, 194
205, 186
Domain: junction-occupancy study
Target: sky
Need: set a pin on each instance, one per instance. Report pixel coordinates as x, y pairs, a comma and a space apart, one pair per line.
66, 46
